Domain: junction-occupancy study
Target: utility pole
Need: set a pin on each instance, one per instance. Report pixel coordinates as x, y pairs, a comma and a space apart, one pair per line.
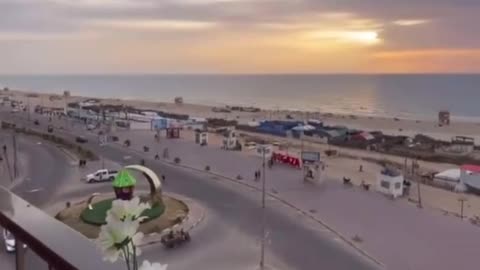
66, 112
7, 162
414, 164
462, 201
15, 170
28, 108
264, 219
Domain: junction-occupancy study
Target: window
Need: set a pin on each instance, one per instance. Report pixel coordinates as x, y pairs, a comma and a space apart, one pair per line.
398, 185
385, 184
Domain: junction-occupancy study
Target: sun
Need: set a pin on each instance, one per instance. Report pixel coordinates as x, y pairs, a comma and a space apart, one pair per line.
366, 37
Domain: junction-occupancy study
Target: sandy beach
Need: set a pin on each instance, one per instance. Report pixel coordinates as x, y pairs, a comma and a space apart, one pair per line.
390, 126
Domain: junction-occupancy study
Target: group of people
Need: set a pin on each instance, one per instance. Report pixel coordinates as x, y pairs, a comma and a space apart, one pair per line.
82, 163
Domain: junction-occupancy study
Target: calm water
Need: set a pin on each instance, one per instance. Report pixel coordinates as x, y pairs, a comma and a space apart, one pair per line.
411, 96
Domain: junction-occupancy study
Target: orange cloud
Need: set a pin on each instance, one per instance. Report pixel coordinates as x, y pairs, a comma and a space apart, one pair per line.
427, 61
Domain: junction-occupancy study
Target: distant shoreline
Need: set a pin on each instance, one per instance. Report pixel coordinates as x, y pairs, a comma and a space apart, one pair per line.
405, 96
388, 125
428, 118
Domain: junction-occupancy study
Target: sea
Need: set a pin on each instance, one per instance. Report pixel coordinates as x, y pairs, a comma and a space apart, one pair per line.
403, 96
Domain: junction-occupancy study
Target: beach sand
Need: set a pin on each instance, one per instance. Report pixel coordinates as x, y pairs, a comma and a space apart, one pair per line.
408, 127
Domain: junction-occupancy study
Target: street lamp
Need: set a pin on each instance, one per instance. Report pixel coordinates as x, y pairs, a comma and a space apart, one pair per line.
462, 199
263, 148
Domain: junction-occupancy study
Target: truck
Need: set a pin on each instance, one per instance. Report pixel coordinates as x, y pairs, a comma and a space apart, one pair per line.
101, 176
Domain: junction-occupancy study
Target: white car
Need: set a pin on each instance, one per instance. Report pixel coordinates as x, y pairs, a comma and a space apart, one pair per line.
101, 176
91, 127
250, 145
9, 240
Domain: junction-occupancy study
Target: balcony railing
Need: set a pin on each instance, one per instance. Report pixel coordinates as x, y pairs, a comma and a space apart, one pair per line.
57, 244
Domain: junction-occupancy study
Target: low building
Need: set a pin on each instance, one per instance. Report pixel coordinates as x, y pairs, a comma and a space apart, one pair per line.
201, 137
230, 141
444, 118
462, 145
390, 182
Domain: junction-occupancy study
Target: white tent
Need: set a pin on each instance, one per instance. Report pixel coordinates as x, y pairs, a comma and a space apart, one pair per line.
304, 128
451, 175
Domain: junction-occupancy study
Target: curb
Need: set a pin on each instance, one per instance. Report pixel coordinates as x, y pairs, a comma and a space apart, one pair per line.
73, 159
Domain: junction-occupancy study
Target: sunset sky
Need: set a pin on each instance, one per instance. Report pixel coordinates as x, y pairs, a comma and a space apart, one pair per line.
239, 36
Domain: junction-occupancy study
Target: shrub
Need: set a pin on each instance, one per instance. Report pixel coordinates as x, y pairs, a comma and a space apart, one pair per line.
177, 160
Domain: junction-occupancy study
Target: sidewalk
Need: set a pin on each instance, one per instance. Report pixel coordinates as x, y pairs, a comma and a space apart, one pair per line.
396, 233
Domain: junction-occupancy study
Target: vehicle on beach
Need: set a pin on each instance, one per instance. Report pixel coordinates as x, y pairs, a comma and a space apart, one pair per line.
101, 176
174, 239
9, 241
81, 139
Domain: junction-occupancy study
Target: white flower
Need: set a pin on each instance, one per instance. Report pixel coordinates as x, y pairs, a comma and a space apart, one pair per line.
127, 210
117, 235
146, 265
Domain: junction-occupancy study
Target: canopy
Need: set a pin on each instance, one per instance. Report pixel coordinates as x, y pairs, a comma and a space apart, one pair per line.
304, 128
449, 175
124, 179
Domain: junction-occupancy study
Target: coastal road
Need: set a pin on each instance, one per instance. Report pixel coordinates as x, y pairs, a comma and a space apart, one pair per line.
46, 168
291, 241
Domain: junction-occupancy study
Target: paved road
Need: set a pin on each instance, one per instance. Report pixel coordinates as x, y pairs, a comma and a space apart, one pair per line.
47, 167
296, 245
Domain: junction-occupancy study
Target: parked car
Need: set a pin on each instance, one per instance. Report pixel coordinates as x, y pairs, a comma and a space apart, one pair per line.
81, 139
91, 127
251, 145
101, 176
9, 241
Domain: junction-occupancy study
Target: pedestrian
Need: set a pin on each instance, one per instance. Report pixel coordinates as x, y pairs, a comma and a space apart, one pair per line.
256, 176
163, 179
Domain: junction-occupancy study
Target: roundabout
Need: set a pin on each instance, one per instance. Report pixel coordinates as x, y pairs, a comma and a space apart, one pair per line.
164, 212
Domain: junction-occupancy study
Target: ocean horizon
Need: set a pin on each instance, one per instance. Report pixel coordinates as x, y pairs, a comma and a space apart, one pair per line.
413, 96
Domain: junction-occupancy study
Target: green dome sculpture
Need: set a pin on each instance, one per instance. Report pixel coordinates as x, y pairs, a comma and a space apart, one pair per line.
124, 179
124, 185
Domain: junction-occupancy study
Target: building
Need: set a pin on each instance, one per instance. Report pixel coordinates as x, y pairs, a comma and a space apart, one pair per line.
390, 182
443, 118
230, 141
462, 145
201, 137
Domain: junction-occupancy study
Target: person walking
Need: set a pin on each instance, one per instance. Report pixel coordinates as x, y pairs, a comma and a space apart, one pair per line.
163, 179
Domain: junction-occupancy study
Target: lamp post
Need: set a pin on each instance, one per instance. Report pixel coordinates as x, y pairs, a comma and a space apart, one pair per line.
462, 201
264, 218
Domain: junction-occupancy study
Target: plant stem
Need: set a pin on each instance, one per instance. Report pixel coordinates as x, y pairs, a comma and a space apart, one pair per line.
126, 255
135, 265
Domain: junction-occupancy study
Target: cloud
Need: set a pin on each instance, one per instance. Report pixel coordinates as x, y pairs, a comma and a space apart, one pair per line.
410, 22
173, 25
